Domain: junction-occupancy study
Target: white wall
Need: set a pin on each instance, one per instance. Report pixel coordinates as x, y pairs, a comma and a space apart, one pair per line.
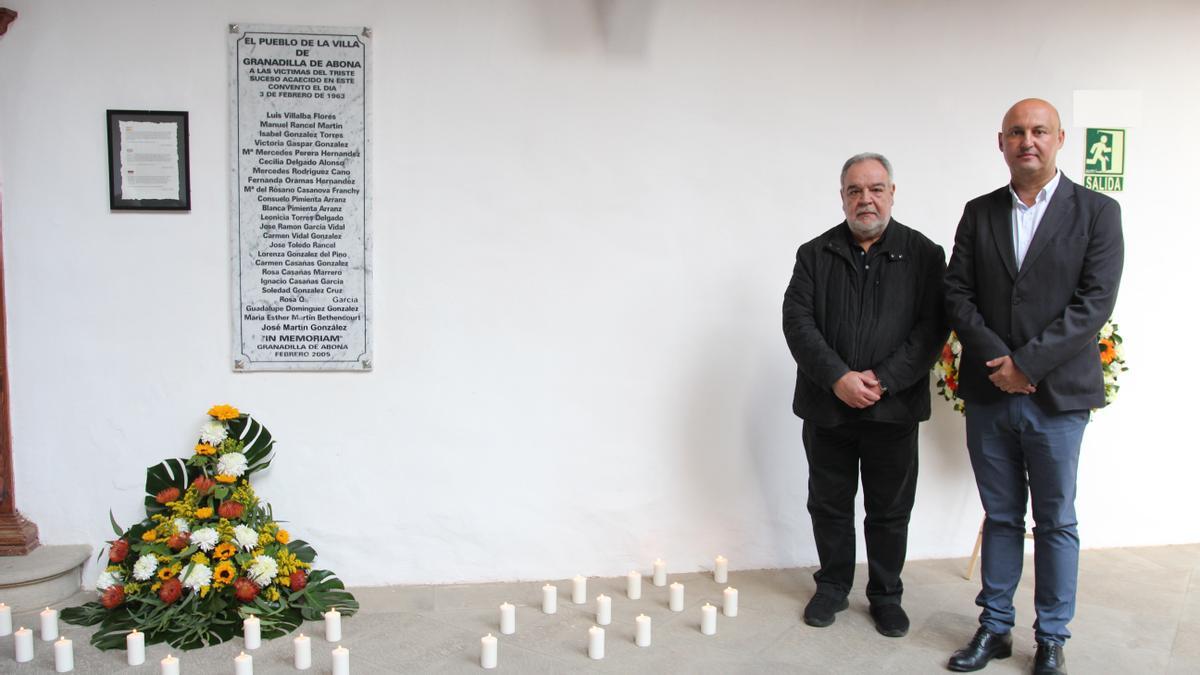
581, 245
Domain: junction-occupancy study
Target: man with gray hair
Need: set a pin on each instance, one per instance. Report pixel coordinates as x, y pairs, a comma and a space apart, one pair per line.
863, 318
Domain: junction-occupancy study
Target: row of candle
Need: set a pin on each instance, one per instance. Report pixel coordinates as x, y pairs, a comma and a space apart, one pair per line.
489, 645
604, 603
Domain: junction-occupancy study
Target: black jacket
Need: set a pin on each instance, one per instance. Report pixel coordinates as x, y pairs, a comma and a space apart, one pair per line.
1047, 313
894, 326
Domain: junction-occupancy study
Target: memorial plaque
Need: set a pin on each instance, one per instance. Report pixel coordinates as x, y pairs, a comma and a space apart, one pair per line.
300, 197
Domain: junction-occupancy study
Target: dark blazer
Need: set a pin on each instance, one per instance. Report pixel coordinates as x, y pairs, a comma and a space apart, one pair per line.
894, 326
1047, 314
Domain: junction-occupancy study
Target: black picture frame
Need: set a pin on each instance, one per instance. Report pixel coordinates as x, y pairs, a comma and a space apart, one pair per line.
118, 199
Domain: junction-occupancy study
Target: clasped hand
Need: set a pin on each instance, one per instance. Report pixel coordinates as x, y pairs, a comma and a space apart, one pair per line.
858, 389
1008, 378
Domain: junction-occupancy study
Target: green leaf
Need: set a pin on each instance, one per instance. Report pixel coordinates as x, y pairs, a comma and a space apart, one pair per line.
116, 528
259, 443
302, 550
166, 474
87, 614
324, 592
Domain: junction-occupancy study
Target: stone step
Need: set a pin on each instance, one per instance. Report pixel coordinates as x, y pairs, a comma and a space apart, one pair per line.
43, 577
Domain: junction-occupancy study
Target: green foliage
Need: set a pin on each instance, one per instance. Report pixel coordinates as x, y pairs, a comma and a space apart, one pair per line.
213, 614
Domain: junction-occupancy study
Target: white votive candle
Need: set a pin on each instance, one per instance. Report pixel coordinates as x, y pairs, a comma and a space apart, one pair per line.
676, 597
252, 632
333, 625
488, 651
5, 619
642, 637
660, 573
135, 648
721, 570
243, 664
633, 585
603, 609
168, 666
64, 656
708, 619
508, 619
341, 661
596, 642
730, 608
302, 652
23, 645
579, 590
549, 599
49, 624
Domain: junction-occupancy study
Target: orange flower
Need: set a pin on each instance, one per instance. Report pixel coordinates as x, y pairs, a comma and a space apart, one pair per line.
167, 495
224, 412
1108, 351
282, 536
224, 551
205, 449
230, 510
203, 485
170, 591
224, 573
225, 478
204, 512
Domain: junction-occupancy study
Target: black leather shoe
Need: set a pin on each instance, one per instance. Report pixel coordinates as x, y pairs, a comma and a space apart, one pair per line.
1049, 660
821, 610
890, 620
984, 647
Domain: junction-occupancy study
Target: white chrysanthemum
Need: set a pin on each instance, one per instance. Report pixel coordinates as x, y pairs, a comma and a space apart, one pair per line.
213, 432
199, 575
144, 568
232, 464
206, 538
181, 525
263, 570
246, 537
1107, 330
108, 579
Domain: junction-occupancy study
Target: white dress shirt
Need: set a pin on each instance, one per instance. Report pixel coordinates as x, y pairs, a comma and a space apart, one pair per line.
1025, 219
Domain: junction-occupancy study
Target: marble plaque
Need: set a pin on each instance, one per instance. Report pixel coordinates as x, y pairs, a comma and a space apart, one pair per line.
300, 197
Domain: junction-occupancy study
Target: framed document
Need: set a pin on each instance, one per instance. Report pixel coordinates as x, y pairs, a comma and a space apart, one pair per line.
148, 160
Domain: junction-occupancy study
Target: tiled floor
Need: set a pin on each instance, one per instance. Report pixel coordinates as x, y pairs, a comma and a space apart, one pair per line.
1138, 612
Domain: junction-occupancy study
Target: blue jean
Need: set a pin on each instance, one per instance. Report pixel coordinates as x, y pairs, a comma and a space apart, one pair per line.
1020, 452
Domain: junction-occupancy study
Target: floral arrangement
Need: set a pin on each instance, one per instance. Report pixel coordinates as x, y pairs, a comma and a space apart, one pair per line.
209, 552
1108, 342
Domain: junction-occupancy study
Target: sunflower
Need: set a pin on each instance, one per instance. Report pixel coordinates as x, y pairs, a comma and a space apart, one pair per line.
225, 478
1108, 351
204, 512
205, 449
223, 412
170, 572
224, 551
224, 573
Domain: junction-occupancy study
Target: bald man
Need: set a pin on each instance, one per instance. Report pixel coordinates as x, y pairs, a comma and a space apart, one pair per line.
1032, 279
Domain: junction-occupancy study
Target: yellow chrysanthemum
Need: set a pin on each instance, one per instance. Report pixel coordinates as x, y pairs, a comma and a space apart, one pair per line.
283, 537
204, 513
224, 551
199, 558
225, 478
149, 535
204, 591
205, 449
224, 573
223, 412
271, 594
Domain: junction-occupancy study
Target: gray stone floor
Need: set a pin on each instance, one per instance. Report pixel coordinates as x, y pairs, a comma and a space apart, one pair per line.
1138, 612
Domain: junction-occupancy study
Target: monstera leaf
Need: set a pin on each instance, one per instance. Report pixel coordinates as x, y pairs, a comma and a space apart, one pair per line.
166, 474
259, 443
324, 592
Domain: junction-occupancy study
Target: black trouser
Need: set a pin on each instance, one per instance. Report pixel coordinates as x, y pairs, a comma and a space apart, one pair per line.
888, 456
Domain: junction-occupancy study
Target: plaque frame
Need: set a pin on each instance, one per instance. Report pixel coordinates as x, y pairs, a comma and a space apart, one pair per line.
116, 199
